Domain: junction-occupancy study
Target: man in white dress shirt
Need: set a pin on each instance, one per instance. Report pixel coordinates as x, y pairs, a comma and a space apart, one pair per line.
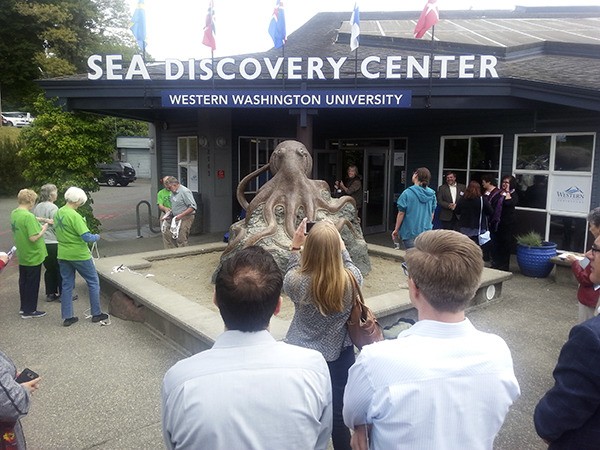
249, 391
442, 384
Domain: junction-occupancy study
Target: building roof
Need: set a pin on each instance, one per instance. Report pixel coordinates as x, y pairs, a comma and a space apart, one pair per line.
549, 55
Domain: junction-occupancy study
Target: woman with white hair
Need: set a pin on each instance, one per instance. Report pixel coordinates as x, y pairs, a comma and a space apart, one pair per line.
74, 256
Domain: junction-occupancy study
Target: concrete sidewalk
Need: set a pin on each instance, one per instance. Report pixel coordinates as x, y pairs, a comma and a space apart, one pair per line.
100, 385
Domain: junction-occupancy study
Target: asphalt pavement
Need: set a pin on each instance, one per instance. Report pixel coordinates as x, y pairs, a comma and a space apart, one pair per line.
100, 385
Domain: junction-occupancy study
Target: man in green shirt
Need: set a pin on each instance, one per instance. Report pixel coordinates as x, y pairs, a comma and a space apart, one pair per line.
31, 251
163, 200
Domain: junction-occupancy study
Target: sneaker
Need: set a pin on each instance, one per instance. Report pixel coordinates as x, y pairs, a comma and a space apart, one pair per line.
52, 297
99, 317
69, 322
33, 314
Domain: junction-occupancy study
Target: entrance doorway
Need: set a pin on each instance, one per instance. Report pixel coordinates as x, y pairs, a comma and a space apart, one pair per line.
372, 157
375, 182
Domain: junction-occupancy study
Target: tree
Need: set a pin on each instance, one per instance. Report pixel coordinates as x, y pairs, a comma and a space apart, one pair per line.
50, 38
64, 148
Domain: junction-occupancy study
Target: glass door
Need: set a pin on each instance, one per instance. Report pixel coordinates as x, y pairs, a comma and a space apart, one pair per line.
375, 180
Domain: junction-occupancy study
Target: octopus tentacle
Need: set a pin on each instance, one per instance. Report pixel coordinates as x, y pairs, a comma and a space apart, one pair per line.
241, 198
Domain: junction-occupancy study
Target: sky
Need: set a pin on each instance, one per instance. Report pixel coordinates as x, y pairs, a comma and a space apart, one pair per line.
175, 27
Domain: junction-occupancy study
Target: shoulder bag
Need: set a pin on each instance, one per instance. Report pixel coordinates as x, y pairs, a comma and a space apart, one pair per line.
484, 237
362, 324
8, 437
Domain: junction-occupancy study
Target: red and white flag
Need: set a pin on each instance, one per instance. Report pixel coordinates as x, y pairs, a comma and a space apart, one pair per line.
209, 28
429, 17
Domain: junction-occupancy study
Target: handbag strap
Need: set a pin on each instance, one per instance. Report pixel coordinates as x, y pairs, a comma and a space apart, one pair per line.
480, 213
356, 292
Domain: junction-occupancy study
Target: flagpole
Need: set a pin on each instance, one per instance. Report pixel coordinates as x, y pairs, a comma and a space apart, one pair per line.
212, 58
283, 56
356, 67
428, 101
144, 51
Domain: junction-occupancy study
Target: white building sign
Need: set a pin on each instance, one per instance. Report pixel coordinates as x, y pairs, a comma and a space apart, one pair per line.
571, 193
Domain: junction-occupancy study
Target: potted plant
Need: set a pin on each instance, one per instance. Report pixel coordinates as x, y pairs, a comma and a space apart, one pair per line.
534, 254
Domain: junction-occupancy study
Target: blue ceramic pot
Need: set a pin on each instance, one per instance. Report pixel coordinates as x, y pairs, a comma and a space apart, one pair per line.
535, 261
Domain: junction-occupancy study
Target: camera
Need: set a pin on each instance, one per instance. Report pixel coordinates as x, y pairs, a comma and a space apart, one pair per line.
309, 225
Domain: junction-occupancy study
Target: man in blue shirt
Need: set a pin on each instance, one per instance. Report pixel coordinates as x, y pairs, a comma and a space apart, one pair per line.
249, 391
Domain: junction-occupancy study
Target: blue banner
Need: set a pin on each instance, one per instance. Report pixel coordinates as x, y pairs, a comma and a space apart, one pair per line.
339, 98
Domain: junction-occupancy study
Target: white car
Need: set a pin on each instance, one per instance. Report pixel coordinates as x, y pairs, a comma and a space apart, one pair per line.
16, 119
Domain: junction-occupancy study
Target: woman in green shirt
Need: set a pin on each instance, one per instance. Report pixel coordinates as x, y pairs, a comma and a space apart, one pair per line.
31, 252
74, 255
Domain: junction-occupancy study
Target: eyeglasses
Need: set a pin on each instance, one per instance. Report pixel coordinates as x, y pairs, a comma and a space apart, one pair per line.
405, 267
594, 250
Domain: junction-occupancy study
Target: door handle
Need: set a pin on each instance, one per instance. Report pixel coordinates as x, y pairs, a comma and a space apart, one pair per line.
366, 196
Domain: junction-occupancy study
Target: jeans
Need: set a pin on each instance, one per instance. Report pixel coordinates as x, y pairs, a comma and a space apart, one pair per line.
87, 270
338, 370
29, 287
408, 243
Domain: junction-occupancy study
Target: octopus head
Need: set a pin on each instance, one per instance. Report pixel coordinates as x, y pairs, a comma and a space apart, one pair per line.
291, 155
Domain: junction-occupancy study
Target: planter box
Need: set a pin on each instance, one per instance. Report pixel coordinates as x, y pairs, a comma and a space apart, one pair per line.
536, 261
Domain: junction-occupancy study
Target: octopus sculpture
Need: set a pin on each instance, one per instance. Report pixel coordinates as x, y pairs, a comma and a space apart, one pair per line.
282, 202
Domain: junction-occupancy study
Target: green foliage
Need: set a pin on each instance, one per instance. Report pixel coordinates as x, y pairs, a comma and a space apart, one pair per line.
531, 239
124, 127
63, 148
50, 38
11, 164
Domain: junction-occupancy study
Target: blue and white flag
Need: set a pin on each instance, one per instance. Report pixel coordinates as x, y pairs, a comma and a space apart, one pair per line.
277, 25
355, 28
138, 24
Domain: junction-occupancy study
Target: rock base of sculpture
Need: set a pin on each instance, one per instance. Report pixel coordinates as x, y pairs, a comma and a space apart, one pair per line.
278, 244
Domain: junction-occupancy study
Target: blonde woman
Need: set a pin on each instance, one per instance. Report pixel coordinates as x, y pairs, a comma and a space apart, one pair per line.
318, 283
28, 235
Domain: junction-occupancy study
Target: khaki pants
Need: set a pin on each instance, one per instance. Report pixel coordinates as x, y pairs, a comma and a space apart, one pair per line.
184, 233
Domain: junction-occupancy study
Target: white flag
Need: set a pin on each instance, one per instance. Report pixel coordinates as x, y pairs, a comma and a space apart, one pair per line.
355, 26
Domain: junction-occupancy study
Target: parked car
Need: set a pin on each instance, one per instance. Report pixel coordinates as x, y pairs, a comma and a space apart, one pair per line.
16, 119
116, 173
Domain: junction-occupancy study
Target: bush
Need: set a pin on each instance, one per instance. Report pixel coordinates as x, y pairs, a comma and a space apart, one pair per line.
11, 164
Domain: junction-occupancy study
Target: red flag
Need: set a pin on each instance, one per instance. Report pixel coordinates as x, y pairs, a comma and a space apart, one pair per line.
209, 28
429, 17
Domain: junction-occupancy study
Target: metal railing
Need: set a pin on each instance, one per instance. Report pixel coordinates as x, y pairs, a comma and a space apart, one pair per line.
138, 219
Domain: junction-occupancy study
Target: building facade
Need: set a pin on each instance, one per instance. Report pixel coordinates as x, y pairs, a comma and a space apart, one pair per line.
497, 92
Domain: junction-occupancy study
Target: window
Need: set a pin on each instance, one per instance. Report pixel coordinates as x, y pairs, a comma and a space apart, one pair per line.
187, 161
254, 153
554, 180
574, 153
471, 156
